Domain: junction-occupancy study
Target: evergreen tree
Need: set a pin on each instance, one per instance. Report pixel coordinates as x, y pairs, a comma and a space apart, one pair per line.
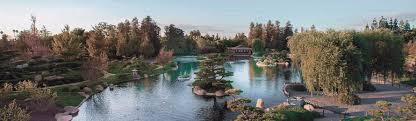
276, 37
268, 34
211, 75
287, 33
175, 40
150, 38
66, 44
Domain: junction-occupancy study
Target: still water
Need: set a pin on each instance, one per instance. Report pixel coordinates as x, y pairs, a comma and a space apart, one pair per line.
166, 99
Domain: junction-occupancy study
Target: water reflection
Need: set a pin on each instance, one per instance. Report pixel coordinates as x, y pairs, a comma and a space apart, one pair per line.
166, 98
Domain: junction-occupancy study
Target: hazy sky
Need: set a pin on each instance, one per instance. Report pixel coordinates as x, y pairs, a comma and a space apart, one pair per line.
212, 16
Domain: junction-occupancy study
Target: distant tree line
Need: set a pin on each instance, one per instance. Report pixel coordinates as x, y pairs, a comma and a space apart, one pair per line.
270, 35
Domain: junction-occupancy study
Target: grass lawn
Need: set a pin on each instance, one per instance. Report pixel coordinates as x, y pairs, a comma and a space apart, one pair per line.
69, 99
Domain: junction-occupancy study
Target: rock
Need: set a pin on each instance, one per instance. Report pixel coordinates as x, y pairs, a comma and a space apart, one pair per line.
22, 66
63, 117
99, 88
45, 73
87, 90
308, 107
53, 78
199, 91
219, 93
260, 103
37, 78
71, 110
83, 94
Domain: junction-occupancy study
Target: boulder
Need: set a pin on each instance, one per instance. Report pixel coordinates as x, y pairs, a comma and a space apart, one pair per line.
71, 110
45, 73
22, 66
219, 93
87, 90
63, 117
83, 94
199, 91
99, 88
260, 103
308, 107
37, 78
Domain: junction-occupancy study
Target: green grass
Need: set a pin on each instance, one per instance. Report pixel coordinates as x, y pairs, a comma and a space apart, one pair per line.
362, 118
69, 99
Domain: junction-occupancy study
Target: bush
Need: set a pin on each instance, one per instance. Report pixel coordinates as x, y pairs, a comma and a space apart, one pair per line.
12, 112
299, 114
349, 98
42, 98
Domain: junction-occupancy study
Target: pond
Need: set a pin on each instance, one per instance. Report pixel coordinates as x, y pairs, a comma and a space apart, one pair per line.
165, 98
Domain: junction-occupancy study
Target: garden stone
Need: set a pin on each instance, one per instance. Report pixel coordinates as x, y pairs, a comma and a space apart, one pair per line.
37, 78
260, 103
99, 88
71, 110
308, 107
44, 73
63, 117
199, 91
87, 90
219, 93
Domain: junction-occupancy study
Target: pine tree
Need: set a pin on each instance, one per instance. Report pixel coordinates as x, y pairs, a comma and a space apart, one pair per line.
287, 33
66, 44
150, 38
268, 34
211, 75
276, 37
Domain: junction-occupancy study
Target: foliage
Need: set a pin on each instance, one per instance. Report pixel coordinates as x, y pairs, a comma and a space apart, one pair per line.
212, 73
408, 110
4, 43
175, 40
258, 47
328, 60
26, 86
380, 113
12, 112
164, 56
67, 44
42, 98
150, 39
246, 112
5, 90
349, 98
381, 51
277, 113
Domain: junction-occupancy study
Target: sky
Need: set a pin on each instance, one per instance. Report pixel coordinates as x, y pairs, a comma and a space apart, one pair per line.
225, 17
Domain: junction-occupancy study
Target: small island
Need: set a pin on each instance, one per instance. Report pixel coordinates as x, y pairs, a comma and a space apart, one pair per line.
210, 79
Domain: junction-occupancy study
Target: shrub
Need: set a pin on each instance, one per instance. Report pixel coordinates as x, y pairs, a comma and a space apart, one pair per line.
26, 86
43, 98
12, 112
5, 90
349, 98
299, 114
